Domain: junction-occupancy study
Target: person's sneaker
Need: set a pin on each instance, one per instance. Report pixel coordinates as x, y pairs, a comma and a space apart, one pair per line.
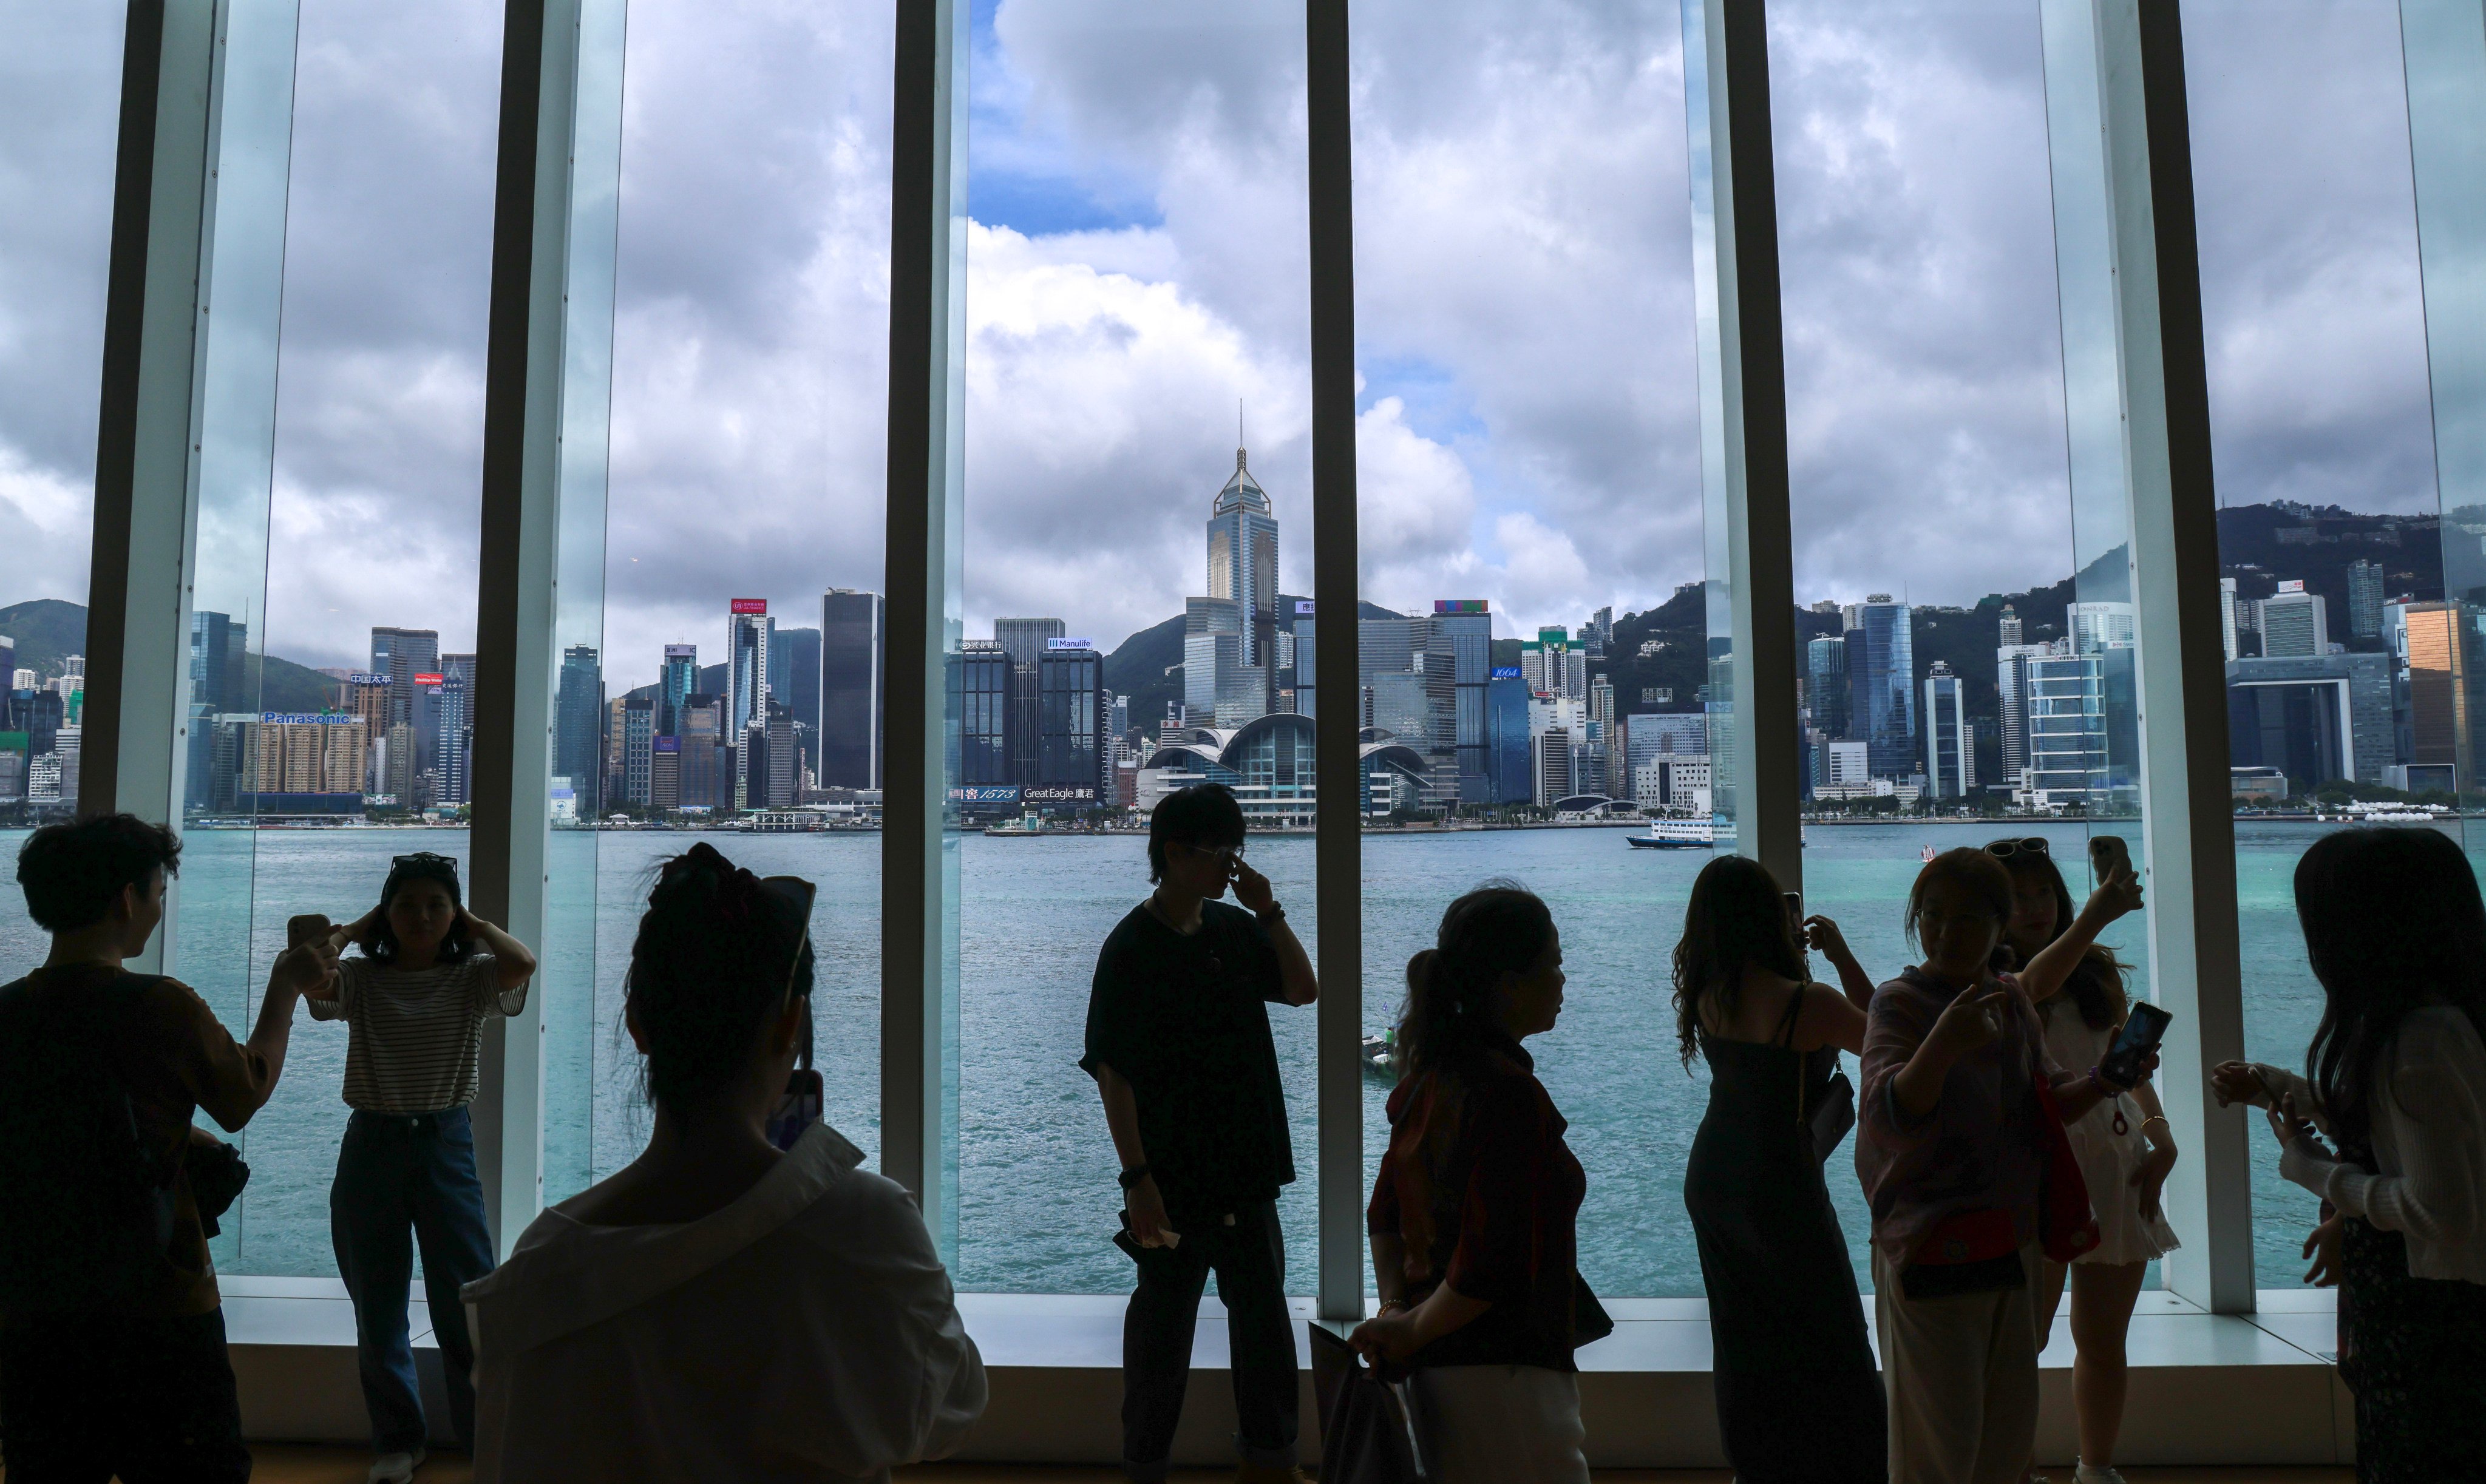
2085, 1474
395, 1468
1269, 1474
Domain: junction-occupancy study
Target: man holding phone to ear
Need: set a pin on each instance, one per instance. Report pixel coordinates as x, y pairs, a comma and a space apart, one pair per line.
1179, 1042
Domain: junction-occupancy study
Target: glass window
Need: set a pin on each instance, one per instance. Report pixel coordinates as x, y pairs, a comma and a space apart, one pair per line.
730, 688
60, 89
2348, 654
1530, 492
335, 730
1961, 566
1137, 293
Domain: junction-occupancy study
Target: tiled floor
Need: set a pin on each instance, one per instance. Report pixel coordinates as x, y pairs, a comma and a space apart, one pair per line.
296, 1464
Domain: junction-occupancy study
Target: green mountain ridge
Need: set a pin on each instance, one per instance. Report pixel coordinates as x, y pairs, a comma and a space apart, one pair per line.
48, 630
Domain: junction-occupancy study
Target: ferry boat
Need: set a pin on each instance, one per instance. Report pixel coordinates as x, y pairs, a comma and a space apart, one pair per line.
1697, 834
1029, 823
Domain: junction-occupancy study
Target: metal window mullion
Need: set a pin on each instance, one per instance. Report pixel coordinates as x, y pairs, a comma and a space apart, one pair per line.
1338, 806
1743, 378
148, 431
518, 567
2126, 241
925, 452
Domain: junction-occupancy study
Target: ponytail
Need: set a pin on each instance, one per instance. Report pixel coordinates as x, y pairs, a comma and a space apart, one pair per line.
1497, 929
717, 954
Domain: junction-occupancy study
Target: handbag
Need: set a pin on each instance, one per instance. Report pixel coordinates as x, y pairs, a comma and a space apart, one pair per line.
1372, 1427
1833, 1116
217, 1176
2066, 1226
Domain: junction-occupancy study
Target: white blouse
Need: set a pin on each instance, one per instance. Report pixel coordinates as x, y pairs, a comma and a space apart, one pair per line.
805, 1332
2429, 1134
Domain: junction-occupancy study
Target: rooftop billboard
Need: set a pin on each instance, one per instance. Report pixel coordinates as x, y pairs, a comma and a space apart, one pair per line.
758, 605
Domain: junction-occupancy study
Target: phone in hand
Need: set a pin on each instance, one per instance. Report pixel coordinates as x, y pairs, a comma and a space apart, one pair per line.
2143, 1029
2108, 854
797, 1108
1795, 913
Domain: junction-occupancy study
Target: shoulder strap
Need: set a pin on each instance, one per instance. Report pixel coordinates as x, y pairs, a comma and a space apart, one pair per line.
1786, 1023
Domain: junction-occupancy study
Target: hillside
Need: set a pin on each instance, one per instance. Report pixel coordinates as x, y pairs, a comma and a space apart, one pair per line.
48, 629
1148, 667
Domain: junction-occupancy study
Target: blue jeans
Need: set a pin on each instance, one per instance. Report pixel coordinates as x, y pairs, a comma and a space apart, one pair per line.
396, 1173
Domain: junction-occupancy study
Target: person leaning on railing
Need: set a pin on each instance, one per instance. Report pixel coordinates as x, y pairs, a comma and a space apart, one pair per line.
2396, 934
112, 1348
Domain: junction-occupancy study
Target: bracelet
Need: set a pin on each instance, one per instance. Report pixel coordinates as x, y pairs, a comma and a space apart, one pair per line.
1277, 912
1387, 1305
2157, 1118
1132, 1176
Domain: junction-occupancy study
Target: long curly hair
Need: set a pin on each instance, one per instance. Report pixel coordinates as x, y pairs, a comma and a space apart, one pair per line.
1499, 928
1737, 918
717, 954
2392, 921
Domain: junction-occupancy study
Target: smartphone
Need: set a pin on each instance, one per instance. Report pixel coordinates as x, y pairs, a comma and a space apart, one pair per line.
1795, 912
796, 1110
2143, 1029
2109, 854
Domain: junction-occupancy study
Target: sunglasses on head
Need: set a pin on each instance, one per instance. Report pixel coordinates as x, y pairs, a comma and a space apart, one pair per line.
2006, 850
424, 857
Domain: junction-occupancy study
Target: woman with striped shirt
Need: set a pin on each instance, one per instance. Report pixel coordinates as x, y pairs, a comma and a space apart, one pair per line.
414, 1001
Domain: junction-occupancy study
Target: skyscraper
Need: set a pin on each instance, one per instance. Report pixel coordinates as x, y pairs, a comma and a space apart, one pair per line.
1071, 751
2440, 667
638, 748
1230, 634
576, 706
1951, 753
2007, 629
2229, 604
1825, 682
702, 751
216, 685
1881, 684
401, 655
853, 667
2365, 599
453, 733
981, 700
1507, 760
746, 658
1025, 640
676, 679
2293, 622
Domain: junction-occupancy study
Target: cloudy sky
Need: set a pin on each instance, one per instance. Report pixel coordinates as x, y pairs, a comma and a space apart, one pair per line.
1137, 280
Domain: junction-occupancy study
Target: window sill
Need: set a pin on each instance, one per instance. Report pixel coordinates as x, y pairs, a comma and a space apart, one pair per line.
2208, 1388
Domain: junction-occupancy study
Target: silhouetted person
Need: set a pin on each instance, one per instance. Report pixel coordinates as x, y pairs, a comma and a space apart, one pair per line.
1475, 1215
1799, 1396
112, 1352
1955, 1122
2123, 1145
429, 976
720, 1307
1179, 1042
2396, 933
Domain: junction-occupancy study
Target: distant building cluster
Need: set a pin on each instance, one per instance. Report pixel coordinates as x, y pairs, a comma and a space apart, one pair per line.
40, 729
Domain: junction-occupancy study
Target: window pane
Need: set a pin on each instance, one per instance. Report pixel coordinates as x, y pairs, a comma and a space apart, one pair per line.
1967, 624
60, 89
734, 695
1137, 291
2344, 658
371, 563
1530, 487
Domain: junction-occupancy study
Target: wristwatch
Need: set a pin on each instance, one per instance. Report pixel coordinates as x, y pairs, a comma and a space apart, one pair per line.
1277, 912
1132, 1176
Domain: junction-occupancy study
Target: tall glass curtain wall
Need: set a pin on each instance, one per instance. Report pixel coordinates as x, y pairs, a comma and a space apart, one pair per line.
1138, 282
1137, 322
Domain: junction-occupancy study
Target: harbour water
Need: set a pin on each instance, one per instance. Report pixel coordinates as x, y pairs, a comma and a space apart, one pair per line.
1035, 1196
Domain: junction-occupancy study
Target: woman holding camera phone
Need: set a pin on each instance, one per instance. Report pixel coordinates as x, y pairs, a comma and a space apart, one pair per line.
2395, 932
2123, 1145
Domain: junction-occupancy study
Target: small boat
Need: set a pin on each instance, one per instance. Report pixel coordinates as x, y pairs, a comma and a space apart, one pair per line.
1029, 823
1927, 855
1381, 1055
1696, 834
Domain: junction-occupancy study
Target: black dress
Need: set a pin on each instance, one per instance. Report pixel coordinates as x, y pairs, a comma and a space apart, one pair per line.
1799, 1396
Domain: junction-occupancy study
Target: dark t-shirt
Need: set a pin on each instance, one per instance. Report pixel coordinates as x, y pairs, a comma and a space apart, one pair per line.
1183, 1020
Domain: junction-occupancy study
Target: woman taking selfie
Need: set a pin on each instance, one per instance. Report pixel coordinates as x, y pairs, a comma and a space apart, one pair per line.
1954, 1128
414, 1001
1799, 1398
1474, 1217
2396, 934
2125, 1146
722, 1307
